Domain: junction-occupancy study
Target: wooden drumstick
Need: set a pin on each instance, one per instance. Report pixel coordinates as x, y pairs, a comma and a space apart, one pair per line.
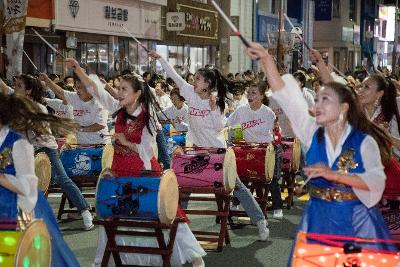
105, 135
312, 175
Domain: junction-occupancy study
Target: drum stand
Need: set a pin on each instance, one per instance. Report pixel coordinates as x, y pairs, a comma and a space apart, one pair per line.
111, 228
223, 200
81, 182
288, 182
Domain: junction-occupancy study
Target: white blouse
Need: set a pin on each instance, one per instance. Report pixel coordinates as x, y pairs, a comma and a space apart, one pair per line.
205, 125
146, 148
393, 126
257, 125
25, 178
61, 110
294, 105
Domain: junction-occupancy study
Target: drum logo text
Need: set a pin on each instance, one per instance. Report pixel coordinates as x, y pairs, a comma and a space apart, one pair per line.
196, 165
250, 156
82, 164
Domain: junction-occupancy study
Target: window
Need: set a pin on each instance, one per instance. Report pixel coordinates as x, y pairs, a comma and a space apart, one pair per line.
274, 8
336, 8
350, 65
353, 10
336, 59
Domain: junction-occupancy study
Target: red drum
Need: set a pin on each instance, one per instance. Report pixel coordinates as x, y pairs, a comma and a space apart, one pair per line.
205, 167
392, 171
291, 152
255, 161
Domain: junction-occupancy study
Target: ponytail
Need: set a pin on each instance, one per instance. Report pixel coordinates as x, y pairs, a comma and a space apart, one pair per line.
221, 85
218, 82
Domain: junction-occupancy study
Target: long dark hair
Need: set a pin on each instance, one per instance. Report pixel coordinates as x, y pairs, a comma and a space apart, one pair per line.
262, 88
357, 118
33, 84
146, 98
388, 100
216, 81
25, 116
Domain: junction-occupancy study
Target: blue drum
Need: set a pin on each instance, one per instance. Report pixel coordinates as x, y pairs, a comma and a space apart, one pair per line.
178, 139
82, 161
166, 129
138, 197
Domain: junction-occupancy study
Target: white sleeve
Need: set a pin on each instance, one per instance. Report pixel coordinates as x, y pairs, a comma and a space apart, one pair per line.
373, 176
338, 78
58, 105
146, 148
234, 118
104, 97
186, 90
292, 102
25, 178
309, 98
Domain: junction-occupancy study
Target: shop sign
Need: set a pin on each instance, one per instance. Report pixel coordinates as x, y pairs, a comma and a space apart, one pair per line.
347, 34
175, 21
200, 22
115, 13
95, 16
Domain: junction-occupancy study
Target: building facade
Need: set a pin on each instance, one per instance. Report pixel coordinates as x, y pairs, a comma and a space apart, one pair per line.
196, 43
337, 32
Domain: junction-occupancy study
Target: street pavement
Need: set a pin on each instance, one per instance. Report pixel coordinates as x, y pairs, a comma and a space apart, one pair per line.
244, 250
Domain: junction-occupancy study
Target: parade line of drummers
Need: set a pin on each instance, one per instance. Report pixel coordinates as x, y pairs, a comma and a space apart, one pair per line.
348, 127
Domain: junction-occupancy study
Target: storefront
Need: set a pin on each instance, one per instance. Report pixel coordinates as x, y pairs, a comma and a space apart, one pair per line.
196, 45
95, 35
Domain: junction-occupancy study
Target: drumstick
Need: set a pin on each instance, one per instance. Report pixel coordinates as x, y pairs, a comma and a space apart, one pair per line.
312, 175
230, 23
6, 22
309, 49
105, 135
30, 60
47, 43
137, 41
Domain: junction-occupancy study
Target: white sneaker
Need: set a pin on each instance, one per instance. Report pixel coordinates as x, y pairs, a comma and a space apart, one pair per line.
263, 231
87, 220
278, 214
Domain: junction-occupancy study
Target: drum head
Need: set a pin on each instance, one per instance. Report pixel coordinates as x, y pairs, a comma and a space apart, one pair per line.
296, 155
107, 156
43, 171
34, 247
269, 162
71, 140
168, 197
230, 170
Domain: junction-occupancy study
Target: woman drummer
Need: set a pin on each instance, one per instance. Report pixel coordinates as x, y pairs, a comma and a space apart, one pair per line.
135, 138
257, 121
31, 87
18, 182
345, 152
207, 122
